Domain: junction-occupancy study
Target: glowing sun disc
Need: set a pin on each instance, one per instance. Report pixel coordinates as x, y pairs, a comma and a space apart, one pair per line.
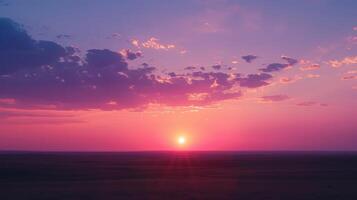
181, 140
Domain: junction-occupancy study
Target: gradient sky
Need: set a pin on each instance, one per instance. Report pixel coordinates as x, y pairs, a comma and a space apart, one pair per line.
107, 75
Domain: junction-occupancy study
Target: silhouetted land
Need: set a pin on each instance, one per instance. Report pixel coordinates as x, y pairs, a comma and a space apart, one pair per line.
178, 175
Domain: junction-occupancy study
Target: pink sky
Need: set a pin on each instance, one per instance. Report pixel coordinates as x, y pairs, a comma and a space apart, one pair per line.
228, 75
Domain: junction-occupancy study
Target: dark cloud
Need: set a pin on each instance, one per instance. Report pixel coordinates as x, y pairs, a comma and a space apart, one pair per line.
291, 61
217, 67
130, 55
254, 80
19, 51
99, 58
249, 58
190, 68
274, 98
274, 67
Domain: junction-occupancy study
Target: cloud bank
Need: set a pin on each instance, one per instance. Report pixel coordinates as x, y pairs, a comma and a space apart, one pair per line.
36, 73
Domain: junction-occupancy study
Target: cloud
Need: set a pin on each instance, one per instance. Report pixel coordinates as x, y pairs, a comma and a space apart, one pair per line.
100, 58
287, 80
274, 67
274, 98
254, 80
19, 51
352, 72
4, 102
310, 67
345, 61
249, 58
135, 43
311, 103
217, 67
49, 76
190, 68
349, 77
312, 76
291, 61
153, 43
130, 55
23, 113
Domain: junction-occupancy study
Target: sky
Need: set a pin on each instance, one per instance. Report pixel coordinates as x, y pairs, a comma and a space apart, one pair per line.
91, 75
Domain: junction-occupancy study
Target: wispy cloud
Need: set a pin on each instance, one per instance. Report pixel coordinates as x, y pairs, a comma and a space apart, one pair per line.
274, 98
311, 103
349, 77
310, 67
345, 61
287, 80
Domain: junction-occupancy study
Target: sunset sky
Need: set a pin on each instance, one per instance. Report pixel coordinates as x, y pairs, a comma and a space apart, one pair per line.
137, 75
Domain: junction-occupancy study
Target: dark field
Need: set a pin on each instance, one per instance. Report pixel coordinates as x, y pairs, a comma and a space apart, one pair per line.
178, 175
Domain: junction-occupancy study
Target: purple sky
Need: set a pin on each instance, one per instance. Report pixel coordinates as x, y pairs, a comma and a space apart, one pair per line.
134, 75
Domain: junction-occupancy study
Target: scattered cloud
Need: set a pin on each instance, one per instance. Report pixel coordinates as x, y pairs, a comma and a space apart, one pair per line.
345, 61
190, 68
274, 98
152, 43
311, 103
255, 80
130, 55
352, 72
135, 43
52, 76
274, 67
217, 67
249, 58
349, 77
312, 76
287, 80
310, 67
291, 61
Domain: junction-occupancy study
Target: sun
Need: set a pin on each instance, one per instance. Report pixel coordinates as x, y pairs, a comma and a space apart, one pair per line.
181, 140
